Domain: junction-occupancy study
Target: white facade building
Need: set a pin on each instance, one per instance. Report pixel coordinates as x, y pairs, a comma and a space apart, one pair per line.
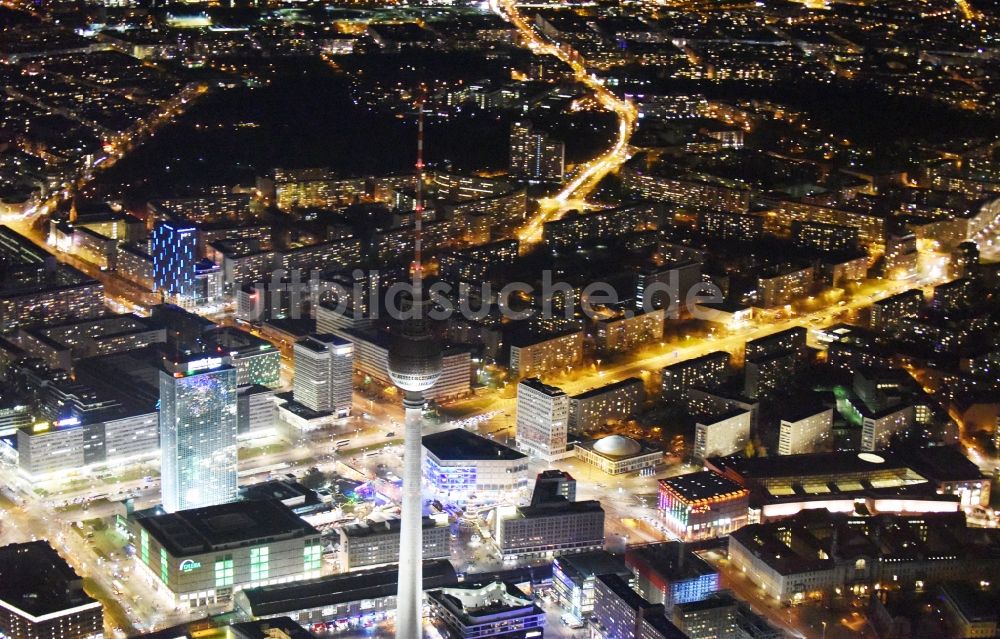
542, 419
805, 434
593, 408
617, 454
878, 428
723, 434
68, 446
323, 373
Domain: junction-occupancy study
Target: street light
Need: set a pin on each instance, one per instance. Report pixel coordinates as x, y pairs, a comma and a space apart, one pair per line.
824, 629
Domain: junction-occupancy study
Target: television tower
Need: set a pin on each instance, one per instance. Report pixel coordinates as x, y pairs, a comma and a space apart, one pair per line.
414, 367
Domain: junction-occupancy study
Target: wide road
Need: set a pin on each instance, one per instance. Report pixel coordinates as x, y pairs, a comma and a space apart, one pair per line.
648, 361
587, 176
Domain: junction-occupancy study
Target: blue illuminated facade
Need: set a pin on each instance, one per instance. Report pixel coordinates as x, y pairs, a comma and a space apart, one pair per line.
175, 256
574, 576
692, 589
670, 573
456, 481
464, 468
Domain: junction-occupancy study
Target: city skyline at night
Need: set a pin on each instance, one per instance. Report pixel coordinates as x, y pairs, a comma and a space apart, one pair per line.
684, 323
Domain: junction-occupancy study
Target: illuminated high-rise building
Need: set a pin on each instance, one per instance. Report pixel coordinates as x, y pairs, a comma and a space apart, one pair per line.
722, 434
256, 360
549, 159
174, 250
520, 143
323, 373
198, 425
542, 419
534, 155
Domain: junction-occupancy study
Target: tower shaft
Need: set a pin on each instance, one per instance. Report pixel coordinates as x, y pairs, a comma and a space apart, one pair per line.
409, 597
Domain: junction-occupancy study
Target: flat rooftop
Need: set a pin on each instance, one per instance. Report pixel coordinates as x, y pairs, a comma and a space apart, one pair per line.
665, 627
337, 589
387, 526
459, 444
794, 545
623, 591
943, 463
714, 356
35, 579
280, 489
802, 408
519, 335
213, 528
30, 270
717, 600
807, 465
539, 385
265, 629
629, 382
298, 409
975, 604
702, 485
485, 603
74, 332
228, 339
560, 508
588, 564
672, 560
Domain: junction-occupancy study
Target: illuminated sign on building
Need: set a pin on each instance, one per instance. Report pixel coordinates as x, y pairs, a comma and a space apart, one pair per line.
190, 564
206, 363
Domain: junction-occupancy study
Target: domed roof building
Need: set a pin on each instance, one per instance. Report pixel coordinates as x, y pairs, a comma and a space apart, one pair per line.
617, 446
617, 454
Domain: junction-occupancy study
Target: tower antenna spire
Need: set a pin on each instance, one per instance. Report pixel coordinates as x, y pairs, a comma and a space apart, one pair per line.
418, 211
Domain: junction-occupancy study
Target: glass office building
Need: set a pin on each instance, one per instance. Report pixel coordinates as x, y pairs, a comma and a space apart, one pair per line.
198, 433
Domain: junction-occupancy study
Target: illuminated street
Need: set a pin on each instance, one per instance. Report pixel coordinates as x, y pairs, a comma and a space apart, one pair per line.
574, 194
499, 319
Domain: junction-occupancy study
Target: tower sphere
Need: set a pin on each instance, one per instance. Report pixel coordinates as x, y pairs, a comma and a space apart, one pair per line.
414, 358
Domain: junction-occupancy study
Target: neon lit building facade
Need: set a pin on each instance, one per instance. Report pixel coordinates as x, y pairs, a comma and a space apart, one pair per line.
174, 252
574, 575
703, 505
198, 426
